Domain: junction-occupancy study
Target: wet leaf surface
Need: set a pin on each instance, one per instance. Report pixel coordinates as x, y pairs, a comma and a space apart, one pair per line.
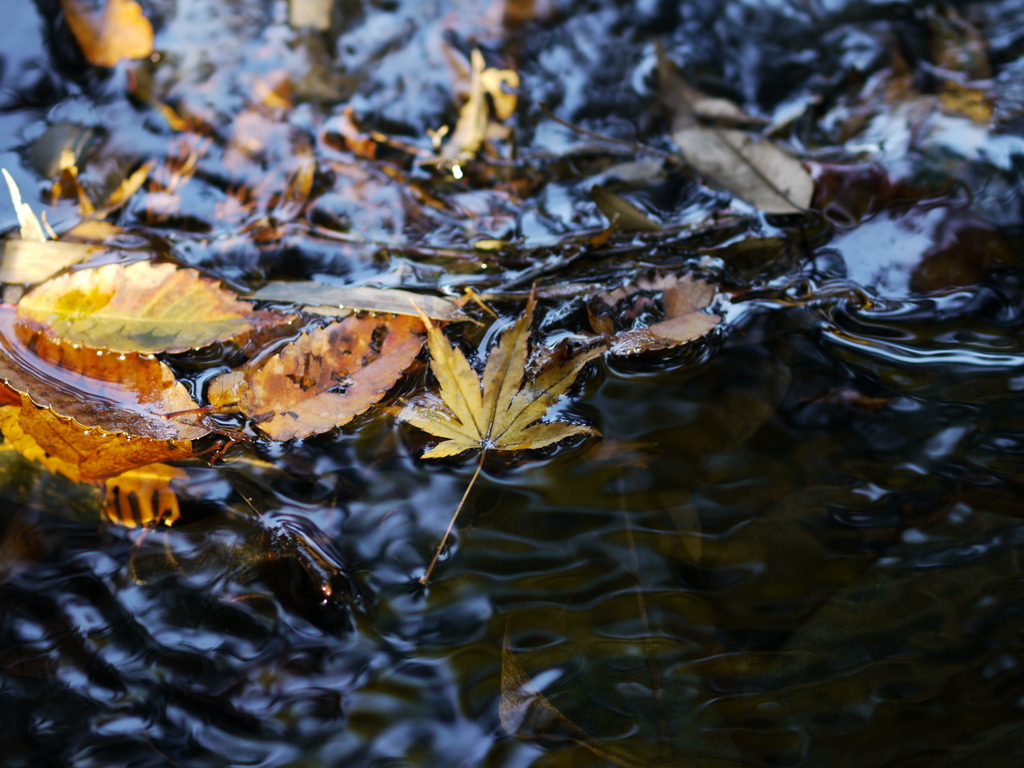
142, 307
323, 379
132, 394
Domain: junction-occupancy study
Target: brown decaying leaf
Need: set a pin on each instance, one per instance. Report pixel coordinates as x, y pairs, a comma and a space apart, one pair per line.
684, 299
503, 413
80, 454
127, 393
120, 31
142, 307
750, 167
324, 379
523, 708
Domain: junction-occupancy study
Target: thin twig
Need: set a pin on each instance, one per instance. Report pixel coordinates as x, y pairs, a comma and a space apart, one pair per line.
609, 139
451, 524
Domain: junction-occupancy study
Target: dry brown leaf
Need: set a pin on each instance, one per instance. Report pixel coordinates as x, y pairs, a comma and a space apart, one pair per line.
128, 393
504, 412
324, 379
119, 31
142, 307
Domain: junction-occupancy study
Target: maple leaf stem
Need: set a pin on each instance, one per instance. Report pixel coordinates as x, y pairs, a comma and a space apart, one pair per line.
425, 578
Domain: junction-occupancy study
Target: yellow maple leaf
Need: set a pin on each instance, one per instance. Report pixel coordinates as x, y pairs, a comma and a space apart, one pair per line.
502, 413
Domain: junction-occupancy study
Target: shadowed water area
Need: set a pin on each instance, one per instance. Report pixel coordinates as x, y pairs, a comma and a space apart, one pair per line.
797, 541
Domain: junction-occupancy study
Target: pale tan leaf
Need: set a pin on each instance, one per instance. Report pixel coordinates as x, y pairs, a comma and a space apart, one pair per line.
390, 300
28, 262
120, 31
751, 167
141, 307
31, 229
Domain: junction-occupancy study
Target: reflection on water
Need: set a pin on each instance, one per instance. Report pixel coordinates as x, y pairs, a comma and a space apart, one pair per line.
798, 543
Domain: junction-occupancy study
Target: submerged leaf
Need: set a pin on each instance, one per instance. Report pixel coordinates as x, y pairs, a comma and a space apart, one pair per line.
346, 297
324, 379
141, 307
684, 299
504, 412
749, 166
128, 393
143, 496
120, 31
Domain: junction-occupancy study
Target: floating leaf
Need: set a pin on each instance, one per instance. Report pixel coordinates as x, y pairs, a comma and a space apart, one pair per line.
344, 297
141, 307
504, 413
324, 379
751, 167
128, 393
120, 31
80, 454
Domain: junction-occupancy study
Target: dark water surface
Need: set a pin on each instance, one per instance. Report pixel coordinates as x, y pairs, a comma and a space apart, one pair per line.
799, 541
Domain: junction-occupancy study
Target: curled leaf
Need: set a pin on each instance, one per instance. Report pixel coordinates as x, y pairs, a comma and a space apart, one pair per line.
141, 307
129, 393
324, 379
80, 454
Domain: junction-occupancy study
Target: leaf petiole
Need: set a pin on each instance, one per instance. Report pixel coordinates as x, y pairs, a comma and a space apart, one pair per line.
451, 523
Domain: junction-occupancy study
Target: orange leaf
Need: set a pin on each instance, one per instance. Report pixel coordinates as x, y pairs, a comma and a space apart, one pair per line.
324, 379
70, 449
119, 31
141, 307
126, 393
